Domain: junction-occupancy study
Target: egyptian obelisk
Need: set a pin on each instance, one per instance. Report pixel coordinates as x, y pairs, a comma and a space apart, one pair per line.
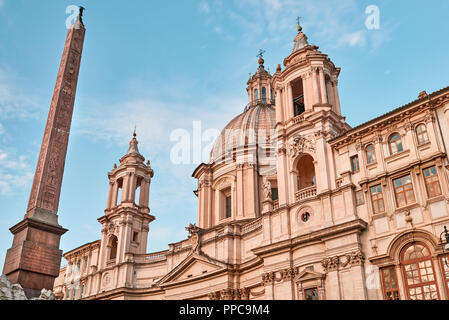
34, 259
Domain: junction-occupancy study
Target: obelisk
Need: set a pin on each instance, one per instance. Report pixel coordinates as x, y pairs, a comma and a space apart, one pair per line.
34, 259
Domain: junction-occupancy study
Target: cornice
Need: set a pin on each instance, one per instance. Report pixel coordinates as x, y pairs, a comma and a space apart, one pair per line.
357, 225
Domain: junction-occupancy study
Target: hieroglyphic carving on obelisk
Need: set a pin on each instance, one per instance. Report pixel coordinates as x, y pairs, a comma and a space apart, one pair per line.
47, 181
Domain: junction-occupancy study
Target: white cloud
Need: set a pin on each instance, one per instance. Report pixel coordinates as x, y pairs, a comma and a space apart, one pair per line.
14, 104
204, 7
333, 24
15, 172
155, 119
353, 39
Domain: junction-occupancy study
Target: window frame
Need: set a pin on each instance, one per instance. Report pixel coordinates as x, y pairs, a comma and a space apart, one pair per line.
404, 191
311, 289
370, 150
423, 133
377, 199
392, 290
396, 142
421, 284
434, 182
357, 198
227, 207
356, 168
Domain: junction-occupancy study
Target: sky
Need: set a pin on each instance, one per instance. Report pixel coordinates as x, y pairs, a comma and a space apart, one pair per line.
163, 65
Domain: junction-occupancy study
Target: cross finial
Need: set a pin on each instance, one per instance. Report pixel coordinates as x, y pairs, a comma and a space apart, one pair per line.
260, 54
134, 134
298, 25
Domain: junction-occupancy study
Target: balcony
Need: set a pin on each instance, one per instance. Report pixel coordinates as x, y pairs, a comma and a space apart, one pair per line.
305, 194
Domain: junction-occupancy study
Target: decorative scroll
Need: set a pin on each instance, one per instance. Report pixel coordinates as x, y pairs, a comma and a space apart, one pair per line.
353, 258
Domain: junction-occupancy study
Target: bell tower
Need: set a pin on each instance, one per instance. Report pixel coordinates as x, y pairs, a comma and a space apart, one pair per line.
127, 215
308, 114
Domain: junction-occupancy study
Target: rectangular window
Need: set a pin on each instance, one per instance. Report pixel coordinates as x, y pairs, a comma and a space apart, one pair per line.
311, 294
403, 189
377, 199
389, 283
359, 198
228, 207
432, 182
370, 154
274, 194
355, 163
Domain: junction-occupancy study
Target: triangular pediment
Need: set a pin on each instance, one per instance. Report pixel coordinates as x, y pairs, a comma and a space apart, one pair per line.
194, 266
309, 275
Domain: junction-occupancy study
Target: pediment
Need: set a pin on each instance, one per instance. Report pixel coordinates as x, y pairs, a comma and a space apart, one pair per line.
309, 275
194, 266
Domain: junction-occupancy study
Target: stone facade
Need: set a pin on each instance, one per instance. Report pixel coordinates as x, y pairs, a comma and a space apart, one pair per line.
293, 204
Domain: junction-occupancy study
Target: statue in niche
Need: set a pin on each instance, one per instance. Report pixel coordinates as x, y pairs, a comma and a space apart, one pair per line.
266, 188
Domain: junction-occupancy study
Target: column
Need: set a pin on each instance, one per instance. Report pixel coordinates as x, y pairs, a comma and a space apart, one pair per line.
282, 174
114, 194
330, 94
289, 101
125, 188
411, 145
132, 187
144, 237
316, 94
240, 190
109, 205
336, 97
143, 194
305, 92
322, 86
279, 110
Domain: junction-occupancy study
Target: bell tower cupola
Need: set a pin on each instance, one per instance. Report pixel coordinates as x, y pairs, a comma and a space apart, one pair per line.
259, 85
308, 84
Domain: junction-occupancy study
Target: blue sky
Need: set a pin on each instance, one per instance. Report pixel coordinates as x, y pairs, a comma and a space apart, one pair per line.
160, 65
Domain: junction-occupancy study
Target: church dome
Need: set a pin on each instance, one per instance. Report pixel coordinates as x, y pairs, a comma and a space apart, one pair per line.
255, 121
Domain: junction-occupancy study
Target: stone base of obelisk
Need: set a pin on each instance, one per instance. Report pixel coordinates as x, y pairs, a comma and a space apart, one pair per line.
34, 259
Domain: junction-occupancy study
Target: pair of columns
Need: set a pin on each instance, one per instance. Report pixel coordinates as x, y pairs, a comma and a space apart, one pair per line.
129, 187
316, 92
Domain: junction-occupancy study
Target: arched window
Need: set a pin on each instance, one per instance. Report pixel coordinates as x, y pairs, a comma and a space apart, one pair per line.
395, 143
370, 154
419, 274
113, 248
305, 173
82, 290
256, 94
421, 134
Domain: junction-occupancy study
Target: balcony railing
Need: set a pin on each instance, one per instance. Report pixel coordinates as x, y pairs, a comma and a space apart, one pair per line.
305, 193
